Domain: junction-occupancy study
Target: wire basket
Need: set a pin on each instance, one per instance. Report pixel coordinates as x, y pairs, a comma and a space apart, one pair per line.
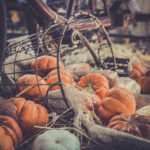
59, 41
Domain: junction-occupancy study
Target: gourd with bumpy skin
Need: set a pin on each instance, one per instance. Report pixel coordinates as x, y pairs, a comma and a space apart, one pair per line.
117, 100
37, 91
137, 125
10, 133
94, 83
30, 114
56, 140
44, 64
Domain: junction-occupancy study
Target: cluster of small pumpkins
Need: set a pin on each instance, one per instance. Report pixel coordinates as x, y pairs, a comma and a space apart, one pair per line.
44, 73
116, 106
141, 75
19, 118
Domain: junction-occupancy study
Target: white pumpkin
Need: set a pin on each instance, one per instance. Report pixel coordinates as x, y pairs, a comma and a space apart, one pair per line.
129, 84
56, 140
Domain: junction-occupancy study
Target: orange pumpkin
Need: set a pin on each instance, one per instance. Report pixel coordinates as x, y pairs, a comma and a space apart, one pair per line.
65, 76
37, 91
135, 74
144, 83
138, 71
30, 114
117, 100
95, 102
95, 83
11, 129
44, 64
135, 124
6, 142
62, 72
79, 67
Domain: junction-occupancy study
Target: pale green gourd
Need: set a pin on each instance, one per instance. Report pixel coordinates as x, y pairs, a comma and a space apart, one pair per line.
56, 140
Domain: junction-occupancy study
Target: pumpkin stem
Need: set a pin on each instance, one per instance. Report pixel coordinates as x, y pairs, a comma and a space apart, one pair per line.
90, 88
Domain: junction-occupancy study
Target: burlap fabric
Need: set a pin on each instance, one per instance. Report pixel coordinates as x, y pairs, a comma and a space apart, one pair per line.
108, 138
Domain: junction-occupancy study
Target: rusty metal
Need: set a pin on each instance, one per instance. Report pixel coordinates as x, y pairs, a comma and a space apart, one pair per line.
71, 7
110, 18
142, 17
106, 8
45, 11
92, 5
121, 63
134, 37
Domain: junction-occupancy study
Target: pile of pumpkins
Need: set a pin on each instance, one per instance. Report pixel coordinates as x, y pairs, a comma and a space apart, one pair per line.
19, 118
115, 106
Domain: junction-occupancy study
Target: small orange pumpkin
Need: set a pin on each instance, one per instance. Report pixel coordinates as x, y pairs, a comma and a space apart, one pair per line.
94, 83
138, 71
37, 91
6, 142
44, 64
62, 72
11, 128
79, 67
117, 100
30, 114
137, 125
95, 102
65, 76
144, 83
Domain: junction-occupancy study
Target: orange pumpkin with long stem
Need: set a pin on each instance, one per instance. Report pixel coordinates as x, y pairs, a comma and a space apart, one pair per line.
94, 83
